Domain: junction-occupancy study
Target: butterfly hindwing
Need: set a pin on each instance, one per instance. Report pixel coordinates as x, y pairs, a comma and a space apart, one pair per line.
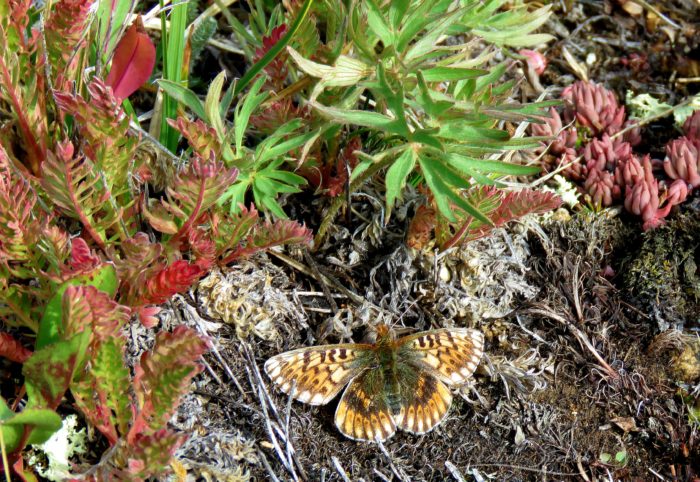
425, 404
319, 372
363, 412
450, 354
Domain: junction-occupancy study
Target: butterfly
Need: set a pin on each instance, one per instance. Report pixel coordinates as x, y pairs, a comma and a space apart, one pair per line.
391, 384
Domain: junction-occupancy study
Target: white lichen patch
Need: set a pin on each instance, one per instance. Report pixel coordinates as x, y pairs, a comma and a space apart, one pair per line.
58, 450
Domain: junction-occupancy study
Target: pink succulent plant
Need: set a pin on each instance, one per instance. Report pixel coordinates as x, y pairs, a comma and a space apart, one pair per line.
629, 172
644, 198
601, 186
604, 154
691, 127
683, 161
594, 107
634, 135
553, 127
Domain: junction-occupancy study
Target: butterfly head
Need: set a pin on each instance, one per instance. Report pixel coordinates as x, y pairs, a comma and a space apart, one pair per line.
384, 334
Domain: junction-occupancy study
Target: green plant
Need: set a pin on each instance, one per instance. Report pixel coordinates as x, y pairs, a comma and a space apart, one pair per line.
77, 198
436, 106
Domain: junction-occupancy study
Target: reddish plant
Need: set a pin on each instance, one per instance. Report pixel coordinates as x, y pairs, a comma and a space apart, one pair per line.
553, 127
647, 200
691, 127
683, 161
133, 61
594, 107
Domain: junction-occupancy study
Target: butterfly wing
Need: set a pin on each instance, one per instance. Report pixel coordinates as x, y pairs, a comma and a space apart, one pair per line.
450, 354
320, 372
424, 404
363, 412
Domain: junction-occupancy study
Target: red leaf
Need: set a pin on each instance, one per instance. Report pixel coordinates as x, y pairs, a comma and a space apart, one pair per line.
173, 279
133, 61
81, 258
12, 349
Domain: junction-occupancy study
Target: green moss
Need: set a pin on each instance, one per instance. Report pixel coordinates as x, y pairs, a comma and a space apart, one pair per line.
662, 275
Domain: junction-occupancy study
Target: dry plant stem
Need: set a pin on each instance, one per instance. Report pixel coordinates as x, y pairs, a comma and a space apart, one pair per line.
339, 468
399, 474
455, 472
324, 287
322, 278
656, 11
287, 455
583, 339
197, 319
266, 464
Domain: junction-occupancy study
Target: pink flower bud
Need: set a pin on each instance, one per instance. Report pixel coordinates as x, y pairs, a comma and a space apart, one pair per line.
683, 161
535, 60
643, 197
633, 136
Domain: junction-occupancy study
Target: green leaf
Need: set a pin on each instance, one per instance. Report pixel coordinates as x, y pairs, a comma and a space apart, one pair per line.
447, 74
211, 104
356, 117
184, 96
396, 177
376, 22
244, 110
397, 10
415, 22
111, 376
49, 371
104, 278
465, 163
43, 423
459, 130
446, 184
430, 39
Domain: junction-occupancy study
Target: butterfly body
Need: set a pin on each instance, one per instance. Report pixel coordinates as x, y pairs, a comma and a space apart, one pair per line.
390, 384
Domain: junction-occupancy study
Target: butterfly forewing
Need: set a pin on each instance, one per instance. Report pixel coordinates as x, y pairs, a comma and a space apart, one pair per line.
363, 412
450, 354
425, 405
318, 373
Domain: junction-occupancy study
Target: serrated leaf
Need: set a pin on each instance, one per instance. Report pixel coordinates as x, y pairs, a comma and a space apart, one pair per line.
104, 278
164, 374
49, 371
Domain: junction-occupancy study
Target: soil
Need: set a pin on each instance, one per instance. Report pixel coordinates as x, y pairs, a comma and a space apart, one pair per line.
592, 355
